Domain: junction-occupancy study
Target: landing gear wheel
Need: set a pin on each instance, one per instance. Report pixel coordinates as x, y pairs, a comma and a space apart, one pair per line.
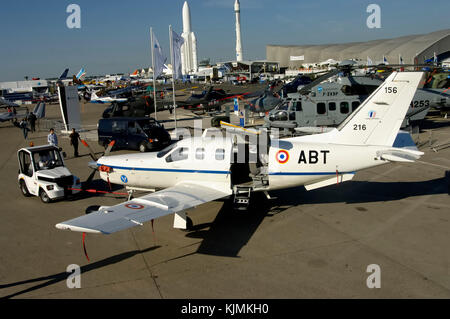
44, 197
142, 147
24, 189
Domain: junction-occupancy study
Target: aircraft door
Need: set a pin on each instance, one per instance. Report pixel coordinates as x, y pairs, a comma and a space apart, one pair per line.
332, 113
298, 110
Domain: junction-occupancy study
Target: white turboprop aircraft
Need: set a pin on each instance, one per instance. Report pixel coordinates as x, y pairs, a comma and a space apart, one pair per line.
105, 99
197, 170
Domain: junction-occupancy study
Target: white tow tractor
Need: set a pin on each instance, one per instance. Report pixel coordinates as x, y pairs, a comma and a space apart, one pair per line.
42, 173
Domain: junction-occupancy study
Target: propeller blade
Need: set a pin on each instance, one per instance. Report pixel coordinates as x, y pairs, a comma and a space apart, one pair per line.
109, 148
88, 182
91, 152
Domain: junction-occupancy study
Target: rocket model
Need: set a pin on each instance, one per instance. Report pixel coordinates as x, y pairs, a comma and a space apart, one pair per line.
189, 48
237, 10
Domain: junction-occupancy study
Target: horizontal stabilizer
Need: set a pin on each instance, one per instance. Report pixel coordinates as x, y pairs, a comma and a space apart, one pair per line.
400, 155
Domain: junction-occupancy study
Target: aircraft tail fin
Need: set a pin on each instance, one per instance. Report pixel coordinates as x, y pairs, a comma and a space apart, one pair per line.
80, 75
378, 119
39, 110
64, 74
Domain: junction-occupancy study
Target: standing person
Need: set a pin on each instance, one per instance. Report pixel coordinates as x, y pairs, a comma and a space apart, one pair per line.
10, 114
74, 137
52, 139
32, 120
24, 126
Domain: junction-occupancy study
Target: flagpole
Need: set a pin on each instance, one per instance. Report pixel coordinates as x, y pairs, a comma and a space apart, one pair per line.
173, 77
153, 67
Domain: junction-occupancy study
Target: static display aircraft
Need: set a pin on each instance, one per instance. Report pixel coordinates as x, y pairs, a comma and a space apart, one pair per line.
328, 103
197, 170
106, 99
209, 99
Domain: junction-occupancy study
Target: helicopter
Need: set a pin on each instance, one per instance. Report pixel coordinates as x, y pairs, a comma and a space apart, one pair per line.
330, 98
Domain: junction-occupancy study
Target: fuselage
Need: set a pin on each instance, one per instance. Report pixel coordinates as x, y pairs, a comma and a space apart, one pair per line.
289, 163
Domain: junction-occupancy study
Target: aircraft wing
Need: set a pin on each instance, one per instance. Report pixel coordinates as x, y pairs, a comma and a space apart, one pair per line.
139, 210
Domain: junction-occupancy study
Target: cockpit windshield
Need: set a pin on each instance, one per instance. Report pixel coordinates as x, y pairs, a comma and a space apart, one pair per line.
47, 159
166, 150
285, 105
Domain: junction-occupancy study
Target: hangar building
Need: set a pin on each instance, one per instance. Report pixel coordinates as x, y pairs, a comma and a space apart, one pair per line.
412, 48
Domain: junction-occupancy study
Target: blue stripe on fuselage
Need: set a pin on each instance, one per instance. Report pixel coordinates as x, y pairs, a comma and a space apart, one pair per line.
175, 170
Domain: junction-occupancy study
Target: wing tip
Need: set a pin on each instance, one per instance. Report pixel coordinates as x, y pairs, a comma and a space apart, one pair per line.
64, 226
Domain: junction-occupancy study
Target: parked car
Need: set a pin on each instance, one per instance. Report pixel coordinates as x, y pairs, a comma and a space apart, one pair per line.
142, 133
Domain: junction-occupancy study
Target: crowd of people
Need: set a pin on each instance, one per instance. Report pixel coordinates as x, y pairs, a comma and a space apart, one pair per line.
27, 124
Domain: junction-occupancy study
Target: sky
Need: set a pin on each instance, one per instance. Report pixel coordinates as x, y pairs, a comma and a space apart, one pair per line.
115, 35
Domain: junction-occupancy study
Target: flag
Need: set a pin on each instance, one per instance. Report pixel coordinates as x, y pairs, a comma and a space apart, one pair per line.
158, 57
435, 59
369, 61
385, 61
177, 42
400, 59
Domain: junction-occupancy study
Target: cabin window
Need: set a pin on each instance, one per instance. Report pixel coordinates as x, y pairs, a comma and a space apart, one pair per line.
355, 105
220, 154
332, 106
344, 107
321, 109
200, 153
179, 154
298, 106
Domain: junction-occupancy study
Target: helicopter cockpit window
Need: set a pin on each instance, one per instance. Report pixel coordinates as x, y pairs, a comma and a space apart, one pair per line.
298, 106
281, 116
344, 107
179, 154
284, 106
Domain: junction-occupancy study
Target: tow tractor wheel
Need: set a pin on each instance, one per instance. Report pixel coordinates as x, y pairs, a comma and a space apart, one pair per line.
24, 189
44, 197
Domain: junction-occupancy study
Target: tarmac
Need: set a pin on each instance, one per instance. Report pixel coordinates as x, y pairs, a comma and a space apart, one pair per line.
298, 244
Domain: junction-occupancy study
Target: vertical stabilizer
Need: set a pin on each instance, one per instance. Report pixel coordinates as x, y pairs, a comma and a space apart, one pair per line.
378, 119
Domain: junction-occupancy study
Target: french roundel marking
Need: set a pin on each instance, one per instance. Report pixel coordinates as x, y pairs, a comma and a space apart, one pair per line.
134, 206
282, 156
